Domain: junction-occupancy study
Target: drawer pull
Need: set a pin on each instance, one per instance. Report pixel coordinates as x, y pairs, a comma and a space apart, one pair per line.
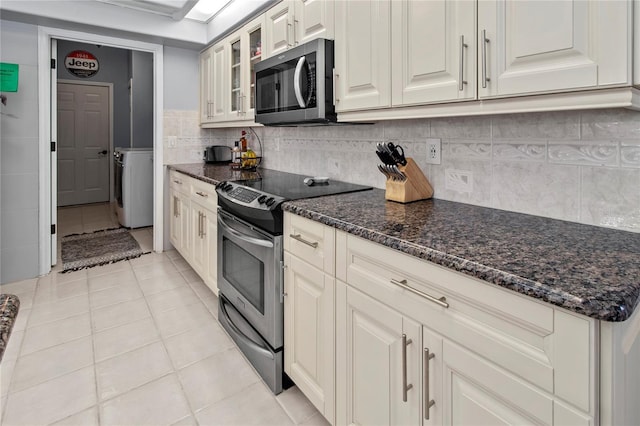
202, 194
177, 181
302, 240
405, 387
428, 402
442, 301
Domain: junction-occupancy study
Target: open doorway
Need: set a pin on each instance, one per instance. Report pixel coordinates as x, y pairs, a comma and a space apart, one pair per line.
49, 41
91, 80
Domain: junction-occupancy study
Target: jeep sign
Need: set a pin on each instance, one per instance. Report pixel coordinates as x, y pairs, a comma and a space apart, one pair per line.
81, 63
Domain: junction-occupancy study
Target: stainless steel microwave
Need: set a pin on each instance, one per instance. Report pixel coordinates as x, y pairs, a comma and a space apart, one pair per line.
296, 87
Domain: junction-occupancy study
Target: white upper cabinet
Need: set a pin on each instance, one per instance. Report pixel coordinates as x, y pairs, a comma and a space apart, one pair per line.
219, 82
363, 54
313, 19
428, 55
433, 51
293, 22
228, 67
206, 85
550, 46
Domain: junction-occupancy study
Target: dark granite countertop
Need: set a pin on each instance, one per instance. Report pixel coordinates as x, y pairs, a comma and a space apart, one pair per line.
9, 305
586, 269
213, 173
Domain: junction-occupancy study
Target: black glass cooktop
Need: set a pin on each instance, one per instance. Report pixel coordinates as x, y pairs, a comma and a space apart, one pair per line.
292, 187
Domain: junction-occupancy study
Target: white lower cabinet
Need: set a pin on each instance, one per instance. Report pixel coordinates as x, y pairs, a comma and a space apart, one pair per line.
193, 225
419, 344
309, 332
309, 310
478, 354
199, 256
179, 206
479, 392
210, 223
378, 362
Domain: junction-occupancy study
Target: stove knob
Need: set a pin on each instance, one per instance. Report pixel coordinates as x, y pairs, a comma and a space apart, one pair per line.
227, 187
221, 184
262, 198
270, 201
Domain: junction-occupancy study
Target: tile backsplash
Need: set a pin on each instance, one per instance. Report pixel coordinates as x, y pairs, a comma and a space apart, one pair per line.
580, 166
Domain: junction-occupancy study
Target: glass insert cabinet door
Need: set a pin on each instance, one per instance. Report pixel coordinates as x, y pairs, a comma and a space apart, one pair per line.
255, 55
236, 77
244, 52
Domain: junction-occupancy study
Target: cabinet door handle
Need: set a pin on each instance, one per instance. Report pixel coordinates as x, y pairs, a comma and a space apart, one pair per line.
202, 194
405, 386
428, 402
289, 26
204, 225
175, 206
295, 39
298, 237
461, 80
199, 224
441, 301
485, 41
335, 89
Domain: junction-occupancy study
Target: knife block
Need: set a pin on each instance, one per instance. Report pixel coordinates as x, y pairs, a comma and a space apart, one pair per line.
415, 188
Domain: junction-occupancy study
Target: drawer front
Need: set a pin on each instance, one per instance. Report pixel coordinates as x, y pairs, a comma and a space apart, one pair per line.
179, 181
546, 346
204, 194
310, 241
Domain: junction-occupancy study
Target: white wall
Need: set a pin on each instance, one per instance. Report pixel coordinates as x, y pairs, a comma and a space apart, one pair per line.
181, 79
19, 156
141, 99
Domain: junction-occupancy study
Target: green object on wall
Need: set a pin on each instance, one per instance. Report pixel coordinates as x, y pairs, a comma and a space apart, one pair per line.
8, 77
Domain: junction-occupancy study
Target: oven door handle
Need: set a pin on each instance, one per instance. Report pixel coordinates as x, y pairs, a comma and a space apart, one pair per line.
242, 237
246, 340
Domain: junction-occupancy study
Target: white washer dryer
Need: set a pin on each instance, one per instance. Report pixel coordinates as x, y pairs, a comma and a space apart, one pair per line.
133, 172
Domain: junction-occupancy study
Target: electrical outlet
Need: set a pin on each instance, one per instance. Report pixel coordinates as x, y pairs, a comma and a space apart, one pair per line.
173, 141
434, 147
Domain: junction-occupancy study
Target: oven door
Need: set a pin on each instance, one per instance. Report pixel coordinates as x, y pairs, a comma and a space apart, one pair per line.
250, 275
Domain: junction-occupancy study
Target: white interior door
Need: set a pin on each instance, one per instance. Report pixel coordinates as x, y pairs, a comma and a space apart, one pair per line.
83, 144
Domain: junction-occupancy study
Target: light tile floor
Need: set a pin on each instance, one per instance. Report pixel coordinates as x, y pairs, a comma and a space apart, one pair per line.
132, 343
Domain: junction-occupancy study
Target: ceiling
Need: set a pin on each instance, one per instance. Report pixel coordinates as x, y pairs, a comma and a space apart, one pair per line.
199, 10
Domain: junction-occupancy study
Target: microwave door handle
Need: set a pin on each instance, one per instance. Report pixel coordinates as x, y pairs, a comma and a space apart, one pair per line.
242, 237
296, 83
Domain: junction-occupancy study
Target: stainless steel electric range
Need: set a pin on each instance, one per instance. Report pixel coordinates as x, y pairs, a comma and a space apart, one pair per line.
250, 262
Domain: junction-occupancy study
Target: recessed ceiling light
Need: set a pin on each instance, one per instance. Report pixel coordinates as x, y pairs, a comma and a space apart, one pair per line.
204, 10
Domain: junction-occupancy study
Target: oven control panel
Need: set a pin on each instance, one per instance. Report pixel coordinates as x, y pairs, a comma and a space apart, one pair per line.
243, 194
248, 197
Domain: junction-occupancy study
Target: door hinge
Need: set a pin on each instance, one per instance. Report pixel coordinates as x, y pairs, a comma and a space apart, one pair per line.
53, 229
53, 64
53, 147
